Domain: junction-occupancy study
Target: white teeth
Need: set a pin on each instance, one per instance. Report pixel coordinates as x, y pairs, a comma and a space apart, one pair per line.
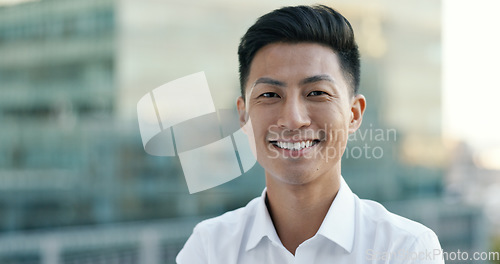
294, 146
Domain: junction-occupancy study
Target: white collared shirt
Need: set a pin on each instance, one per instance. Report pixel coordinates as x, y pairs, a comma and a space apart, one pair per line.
353, 231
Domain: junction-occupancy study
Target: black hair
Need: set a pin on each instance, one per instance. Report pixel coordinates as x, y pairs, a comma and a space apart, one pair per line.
294, 24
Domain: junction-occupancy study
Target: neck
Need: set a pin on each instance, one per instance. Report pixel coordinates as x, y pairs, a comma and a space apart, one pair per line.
297, 210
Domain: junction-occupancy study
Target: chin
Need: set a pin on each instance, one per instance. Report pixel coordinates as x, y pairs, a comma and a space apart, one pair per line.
292, 176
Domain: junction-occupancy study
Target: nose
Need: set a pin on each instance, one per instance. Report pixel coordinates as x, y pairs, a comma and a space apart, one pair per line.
294, 114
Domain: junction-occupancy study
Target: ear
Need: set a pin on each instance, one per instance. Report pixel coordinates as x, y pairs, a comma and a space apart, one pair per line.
242, 112
358, 107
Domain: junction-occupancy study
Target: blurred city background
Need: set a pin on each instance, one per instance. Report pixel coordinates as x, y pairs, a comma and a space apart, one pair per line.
76, 185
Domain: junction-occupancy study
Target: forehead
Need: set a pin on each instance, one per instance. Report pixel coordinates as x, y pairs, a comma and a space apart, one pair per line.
292, 63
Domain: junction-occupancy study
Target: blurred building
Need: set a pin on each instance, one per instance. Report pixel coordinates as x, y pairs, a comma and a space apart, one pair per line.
66, 159
71, 73
56, 75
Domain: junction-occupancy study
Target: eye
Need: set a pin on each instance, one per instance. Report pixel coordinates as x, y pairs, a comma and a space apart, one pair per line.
269, 95
317, 93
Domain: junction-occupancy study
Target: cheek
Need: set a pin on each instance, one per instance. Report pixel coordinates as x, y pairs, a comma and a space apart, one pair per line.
327, 112
335, 124
260, 127
248, 130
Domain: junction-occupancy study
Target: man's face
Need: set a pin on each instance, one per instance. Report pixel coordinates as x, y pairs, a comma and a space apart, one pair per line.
301, 111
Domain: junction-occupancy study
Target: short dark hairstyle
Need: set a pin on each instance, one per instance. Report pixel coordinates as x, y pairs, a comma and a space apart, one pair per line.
294, 24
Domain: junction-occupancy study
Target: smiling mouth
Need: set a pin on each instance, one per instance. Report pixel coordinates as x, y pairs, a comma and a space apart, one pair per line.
299, 145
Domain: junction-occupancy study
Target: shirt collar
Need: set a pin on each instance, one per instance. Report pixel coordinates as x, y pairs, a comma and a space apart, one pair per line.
262, 225
338, 225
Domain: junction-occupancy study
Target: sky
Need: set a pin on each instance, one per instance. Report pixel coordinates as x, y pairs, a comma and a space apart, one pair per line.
471, 87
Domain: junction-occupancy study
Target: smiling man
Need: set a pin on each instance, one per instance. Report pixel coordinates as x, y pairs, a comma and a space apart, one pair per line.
299, 74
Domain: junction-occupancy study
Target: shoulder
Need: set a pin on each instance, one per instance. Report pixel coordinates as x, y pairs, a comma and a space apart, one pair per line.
228, 228
213, 239
375, 214
394, 237
229, 221
392, 227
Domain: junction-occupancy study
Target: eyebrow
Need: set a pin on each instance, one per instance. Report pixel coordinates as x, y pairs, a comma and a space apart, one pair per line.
317, 78
308, 80
270, 81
